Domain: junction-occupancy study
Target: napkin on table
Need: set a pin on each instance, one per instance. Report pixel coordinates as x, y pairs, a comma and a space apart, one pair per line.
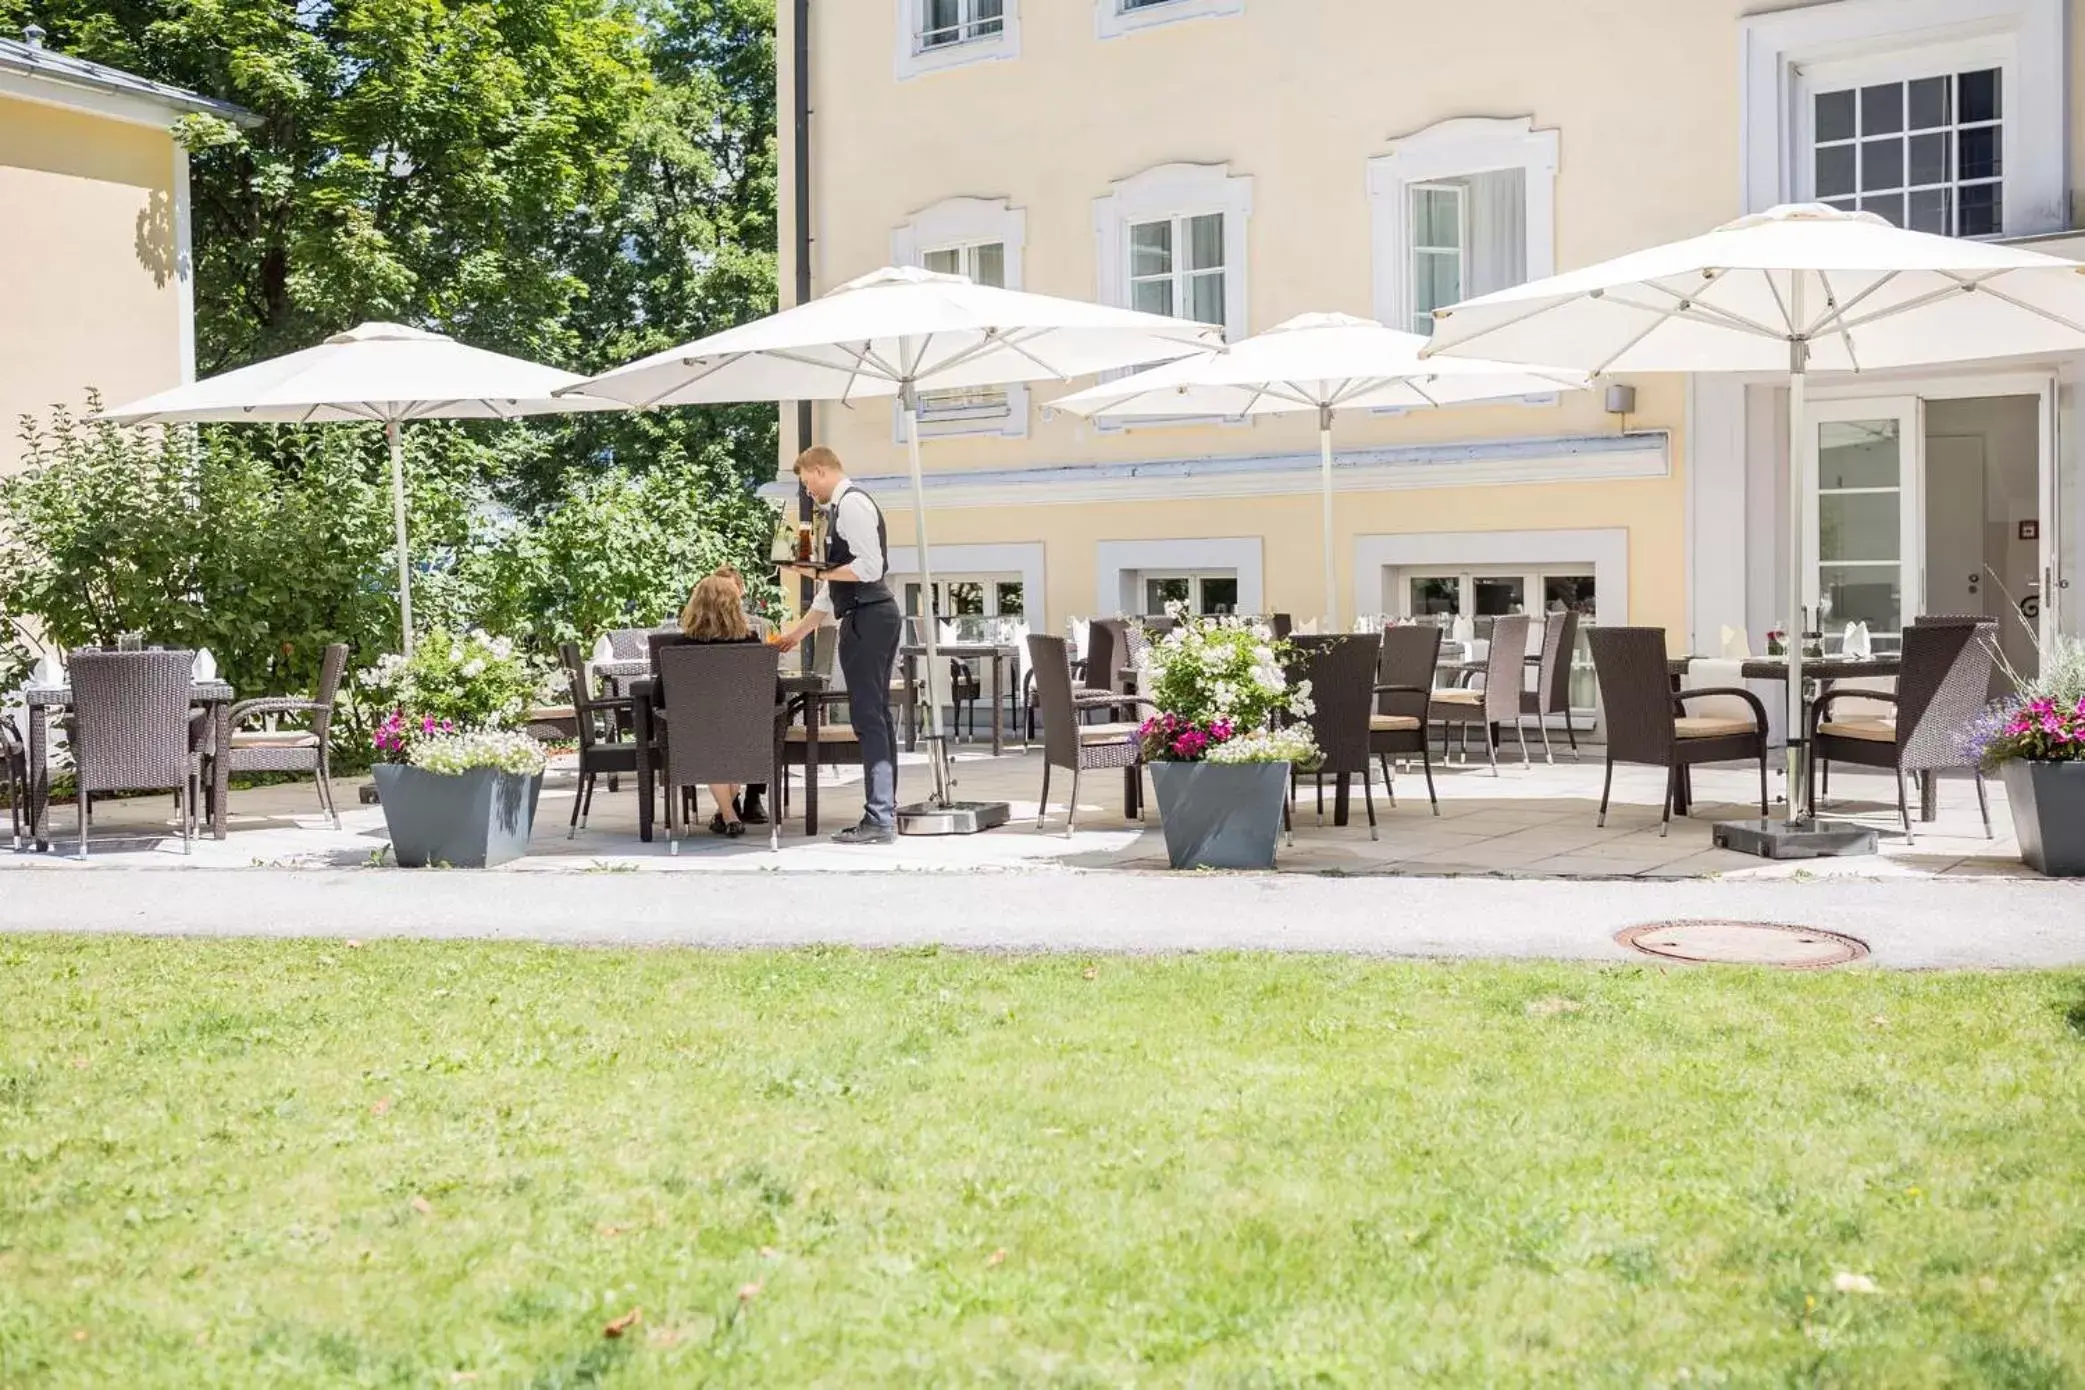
1737, 644
604, 650
205, 666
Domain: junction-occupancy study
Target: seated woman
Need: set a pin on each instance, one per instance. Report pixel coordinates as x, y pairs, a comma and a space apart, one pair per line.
715, 613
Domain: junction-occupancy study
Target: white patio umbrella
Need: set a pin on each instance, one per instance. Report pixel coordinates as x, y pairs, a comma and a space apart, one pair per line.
379, 373
1318, 363
897, 332
1798, 288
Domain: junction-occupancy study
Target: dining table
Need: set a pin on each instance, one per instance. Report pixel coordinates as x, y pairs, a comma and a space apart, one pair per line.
637, 677
1823, 670
999, 655
214, 697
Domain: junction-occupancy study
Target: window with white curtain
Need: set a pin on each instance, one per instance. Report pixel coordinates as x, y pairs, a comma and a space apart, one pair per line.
985, 263
1468, 236
936, 35
1176, 267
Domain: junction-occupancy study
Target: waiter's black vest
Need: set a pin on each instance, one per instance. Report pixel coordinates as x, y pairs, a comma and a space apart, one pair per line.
849, 596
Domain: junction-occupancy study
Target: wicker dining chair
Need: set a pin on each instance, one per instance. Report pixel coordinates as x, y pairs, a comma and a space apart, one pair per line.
599, 721
1341, 670
1497, 702
286, 750
1397, 729
132, 730
14, 768
1647, 720
720, 722
1552, 692
1942, 684
1076, 746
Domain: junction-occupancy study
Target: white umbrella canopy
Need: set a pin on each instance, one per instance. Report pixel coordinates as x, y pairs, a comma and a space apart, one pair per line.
899, 328
1315, 363
381, 373
897, 332
1798, 288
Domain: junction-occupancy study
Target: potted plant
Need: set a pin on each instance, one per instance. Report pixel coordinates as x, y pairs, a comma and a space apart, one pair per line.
1219, 764
2036, 742
457, 779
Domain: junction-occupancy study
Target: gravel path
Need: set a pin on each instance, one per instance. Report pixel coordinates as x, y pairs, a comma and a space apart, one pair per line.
1907, 924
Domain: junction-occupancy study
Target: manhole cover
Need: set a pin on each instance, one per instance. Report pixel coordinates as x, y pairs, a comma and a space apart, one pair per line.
1743, 943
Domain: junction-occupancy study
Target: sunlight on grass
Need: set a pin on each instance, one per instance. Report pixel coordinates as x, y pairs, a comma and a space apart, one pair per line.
415, 1163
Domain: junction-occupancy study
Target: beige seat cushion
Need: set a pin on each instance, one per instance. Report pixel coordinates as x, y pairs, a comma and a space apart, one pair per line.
550, 714
1391, 723
1106, 733
1458, 695
1868, 730
1711, 726
284, 738
827, 733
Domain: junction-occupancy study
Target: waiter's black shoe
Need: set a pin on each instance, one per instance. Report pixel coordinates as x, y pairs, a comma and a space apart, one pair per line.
750, 812
866, 834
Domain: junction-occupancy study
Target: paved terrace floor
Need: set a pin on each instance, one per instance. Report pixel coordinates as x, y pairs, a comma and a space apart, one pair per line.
1532, 823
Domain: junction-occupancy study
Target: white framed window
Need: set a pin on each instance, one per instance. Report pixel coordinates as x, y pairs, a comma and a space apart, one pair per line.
934, 35
1175, 236
1207, 592
1447, 593
972, 596
1459, 209
1944, 115
1920, 143
984, 239
1114, 18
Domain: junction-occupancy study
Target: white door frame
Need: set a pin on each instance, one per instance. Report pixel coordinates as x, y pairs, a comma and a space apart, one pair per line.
2037, 383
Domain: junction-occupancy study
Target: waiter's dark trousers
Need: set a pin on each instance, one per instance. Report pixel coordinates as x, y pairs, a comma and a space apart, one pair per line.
868, 654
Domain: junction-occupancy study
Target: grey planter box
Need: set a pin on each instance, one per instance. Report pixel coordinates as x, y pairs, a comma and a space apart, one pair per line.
473, 821
1220, 816
2048, 805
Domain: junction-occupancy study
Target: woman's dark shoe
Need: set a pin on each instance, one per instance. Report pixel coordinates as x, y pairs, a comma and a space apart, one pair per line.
718, 825
735, 828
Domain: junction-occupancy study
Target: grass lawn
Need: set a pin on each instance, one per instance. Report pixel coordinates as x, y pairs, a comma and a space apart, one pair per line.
307, 1163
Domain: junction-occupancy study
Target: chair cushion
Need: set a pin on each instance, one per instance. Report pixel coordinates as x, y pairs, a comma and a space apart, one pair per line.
827, 733
1106, 733
1458, 695
550, 714
1868, 730
1391, 723
1712, 726
284, 738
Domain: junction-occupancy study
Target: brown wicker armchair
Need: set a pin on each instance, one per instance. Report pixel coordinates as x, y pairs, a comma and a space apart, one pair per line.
1411, 652
1647, 720
287, 750
1342, 674
599, 724
1942, 684
720, 721
1081, 747
133, 731
1552, 692
14, 768
1495, 703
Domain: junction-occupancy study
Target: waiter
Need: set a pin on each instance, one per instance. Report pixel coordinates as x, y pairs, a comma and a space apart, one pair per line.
855, 595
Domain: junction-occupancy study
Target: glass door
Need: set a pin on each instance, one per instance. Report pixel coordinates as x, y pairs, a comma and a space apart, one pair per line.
1863, 517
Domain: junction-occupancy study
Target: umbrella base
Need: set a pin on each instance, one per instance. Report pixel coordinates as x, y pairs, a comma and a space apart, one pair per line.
1774, 838
954, 818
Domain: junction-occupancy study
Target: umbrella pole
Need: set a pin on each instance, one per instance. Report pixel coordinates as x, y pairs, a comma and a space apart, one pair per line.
937, 749
1798, 535
1325, 478
405, 569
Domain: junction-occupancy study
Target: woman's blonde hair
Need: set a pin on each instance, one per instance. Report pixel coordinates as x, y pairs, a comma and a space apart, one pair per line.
714, 611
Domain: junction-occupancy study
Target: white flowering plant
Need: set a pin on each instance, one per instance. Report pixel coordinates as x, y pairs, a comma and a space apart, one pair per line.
454, 754
1219, 682
468, 682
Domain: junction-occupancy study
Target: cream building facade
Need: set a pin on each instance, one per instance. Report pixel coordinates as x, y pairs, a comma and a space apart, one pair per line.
95, 268
1244, 161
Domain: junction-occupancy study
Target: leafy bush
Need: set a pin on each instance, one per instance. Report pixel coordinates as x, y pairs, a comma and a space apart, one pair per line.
453, 754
